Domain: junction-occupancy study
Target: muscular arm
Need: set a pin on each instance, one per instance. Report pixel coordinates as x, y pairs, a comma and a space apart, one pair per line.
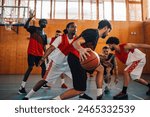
115, 71
133, 45
115, 67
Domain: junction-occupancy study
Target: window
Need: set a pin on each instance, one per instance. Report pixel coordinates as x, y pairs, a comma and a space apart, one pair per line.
0, 9
38, 9
9, 12
31, 4
60, 9
81, 9
73, 9
46, 9
148, 10
105, 9
101, 9
89, 9
135, 13
9, 3
134, 0
119, 14
23, 11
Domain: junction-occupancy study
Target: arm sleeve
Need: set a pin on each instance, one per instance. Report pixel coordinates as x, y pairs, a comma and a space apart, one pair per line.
57, 41
31, 29
88, 35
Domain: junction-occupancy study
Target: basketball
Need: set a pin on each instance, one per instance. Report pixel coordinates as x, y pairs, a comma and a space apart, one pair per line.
91, 62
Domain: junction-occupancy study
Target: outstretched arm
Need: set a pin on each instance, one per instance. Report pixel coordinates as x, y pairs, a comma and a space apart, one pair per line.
26, 26
133, 45
47, 52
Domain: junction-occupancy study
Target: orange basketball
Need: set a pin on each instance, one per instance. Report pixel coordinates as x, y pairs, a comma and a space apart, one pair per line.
91, 62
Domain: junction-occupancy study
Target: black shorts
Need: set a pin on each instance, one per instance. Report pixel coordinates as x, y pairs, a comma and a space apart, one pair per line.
105, 72
33, 60
79, 75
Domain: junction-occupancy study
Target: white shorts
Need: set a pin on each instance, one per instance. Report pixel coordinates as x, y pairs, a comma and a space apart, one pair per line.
54, 71
135, 68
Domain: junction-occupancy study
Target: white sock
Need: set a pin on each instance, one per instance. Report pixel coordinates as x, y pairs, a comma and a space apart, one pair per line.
107, 85
62, 81
30, 94
23, 84
81, 94
99, 91
57, 98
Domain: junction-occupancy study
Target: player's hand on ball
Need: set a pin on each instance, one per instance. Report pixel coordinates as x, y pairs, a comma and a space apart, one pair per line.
84, 53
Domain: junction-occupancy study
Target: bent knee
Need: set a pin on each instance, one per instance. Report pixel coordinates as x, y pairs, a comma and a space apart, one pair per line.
100, 68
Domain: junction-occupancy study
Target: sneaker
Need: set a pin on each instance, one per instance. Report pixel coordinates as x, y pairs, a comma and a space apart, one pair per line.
45, 86
107, 90
99, 97
120, 96
84, 96
22, 91
25, 98
64, 86
148, 92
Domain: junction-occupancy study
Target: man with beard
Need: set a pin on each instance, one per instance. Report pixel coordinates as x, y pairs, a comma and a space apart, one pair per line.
135, 61
57, 34
109, 63
36, 48
85, 42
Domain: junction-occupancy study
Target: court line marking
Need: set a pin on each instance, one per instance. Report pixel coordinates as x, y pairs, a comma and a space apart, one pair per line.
131, 94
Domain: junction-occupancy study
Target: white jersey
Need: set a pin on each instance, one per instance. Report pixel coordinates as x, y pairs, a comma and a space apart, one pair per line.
58, 57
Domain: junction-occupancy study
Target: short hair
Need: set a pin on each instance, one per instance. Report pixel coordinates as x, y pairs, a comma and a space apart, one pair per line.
58, 31
113, 40
41, 20
104, 23
105, 47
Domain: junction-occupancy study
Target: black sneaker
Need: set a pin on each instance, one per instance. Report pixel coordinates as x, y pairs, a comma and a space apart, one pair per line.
45, 86
148, 92
120, 96
25, 98
84, 96
22, 91
99, 97
107, 90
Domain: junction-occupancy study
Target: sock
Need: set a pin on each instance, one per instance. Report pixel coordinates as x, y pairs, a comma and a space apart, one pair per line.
62, 81
81, 94
124, 90
107, 85
57, 98
23, 84
30, 93
148, 85
99, 91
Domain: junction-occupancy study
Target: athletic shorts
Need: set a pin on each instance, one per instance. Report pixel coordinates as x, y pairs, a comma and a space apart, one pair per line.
33, 60
105, 71
79, 75
135, 68
54, 71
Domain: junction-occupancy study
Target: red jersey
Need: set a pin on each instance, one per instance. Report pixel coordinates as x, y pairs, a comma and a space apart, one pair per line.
130, 56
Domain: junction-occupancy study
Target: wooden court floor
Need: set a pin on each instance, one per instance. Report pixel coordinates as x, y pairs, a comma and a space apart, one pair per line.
9, 85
